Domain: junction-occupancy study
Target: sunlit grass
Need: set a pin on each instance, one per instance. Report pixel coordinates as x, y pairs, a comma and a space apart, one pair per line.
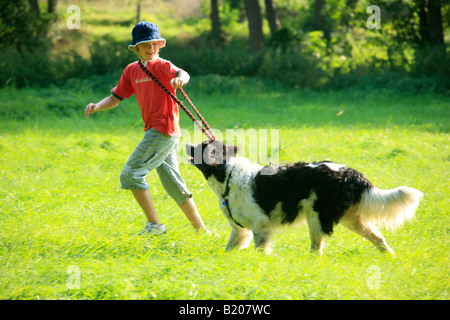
62, 206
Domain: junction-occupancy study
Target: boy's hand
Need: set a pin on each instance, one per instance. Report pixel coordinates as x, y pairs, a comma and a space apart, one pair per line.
90, 108
177, 83
106, 104
180, 80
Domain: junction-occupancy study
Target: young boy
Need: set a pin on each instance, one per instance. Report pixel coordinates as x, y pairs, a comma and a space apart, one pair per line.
158, 149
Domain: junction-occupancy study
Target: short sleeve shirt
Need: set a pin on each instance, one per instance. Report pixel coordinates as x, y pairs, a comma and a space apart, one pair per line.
158, 110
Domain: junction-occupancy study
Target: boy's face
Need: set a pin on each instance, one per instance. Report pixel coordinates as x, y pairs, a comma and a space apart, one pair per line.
149, 50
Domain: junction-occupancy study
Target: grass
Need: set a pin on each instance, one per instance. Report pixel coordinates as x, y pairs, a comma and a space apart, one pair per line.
62, 206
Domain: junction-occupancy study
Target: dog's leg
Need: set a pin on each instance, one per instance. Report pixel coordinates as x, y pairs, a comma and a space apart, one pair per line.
352, 222
315, 232
306, 207
262, 233
240, 238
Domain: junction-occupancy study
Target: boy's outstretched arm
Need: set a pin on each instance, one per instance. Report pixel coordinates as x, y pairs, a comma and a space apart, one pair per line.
106, 104
180, 80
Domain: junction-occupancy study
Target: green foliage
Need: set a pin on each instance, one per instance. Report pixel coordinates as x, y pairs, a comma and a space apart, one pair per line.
341, 53
432, 62
293, 68
227, 61
21, 28
108, 55
22, 69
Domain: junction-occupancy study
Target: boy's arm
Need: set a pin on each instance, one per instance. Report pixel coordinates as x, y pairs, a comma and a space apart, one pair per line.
180, 80
106, 104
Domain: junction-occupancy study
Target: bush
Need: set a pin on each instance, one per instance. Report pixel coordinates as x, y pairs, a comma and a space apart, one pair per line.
227, 61
292, 65
214, 83
392, 80
292, 68
25, 69
108, 55
432, 62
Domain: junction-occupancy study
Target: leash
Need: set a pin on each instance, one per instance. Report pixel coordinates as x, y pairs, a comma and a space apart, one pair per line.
225, 198
206, 129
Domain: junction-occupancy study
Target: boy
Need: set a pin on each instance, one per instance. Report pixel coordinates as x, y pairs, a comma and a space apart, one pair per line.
158, 149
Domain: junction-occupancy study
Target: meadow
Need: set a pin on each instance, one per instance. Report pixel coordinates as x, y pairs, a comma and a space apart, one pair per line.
69, 232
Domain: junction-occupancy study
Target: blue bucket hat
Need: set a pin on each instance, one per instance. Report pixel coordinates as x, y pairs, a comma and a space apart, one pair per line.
145, 32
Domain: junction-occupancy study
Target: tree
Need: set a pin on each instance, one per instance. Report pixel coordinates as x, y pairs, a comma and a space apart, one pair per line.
253, 12
34, 4
51, 8
435, 22
319, 22
23, 27
431, 57
272, 17
430, 22
138, 11
215, 22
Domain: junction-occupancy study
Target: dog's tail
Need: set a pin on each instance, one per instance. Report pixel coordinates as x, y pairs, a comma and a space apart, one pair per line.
390, 208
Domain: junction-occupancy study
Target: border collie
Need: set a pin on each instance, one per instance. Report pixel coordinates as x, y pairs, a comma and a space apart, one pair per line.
256, 199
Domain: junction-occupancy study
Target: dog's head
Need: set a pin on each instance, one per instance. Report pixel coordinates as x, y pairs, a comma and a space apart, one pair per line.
210, 157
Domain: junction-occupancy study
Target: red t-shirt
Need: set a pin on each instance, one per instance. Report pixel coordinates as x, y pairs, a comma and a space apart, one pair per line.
158, 110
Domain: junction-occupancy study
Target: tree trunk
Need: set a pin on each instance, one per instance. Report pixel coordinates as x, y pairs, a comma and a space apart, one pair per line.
435, 22
423, 22
52, 6
272, 17
253, 11
138, 12
34, 4
215, 22
319, 19
430, 22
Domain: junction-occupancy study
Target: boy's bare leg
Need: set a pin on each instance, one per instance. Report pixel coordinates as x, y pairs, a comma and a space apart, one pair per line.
190, 211
144, 198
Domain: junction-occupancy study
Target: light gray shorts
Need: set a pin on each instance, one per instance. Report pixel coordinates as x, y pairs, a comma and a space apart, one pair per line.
155, 151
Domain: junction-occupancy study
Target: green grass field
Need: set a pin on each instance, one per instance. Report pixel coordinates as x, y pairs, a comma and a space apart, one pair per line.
68, 231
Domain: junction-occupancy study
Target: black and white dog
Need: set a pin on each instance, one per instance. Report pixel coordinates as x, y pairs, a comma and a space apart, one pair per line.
257, 199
